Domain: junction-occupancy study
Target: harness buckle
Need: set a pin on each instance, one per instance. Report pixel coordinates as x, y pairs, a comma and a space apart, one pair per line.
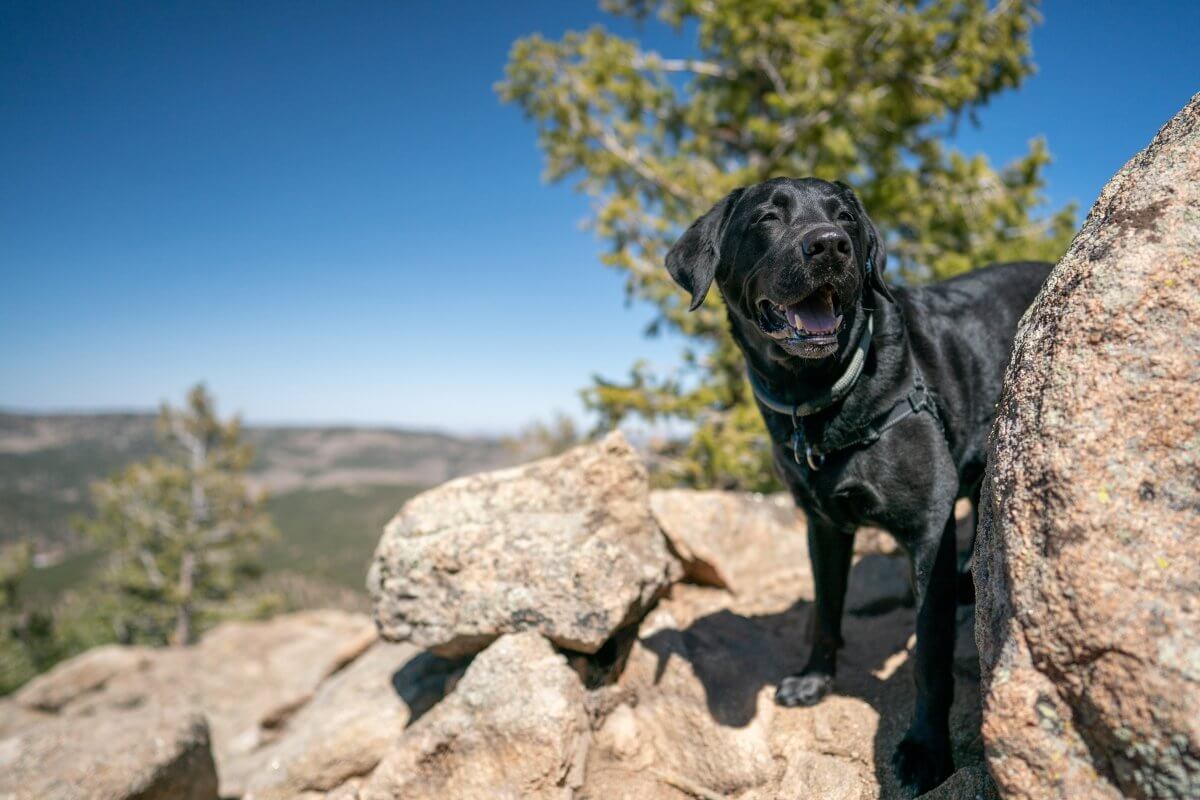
814, 458
797, 443
918, 399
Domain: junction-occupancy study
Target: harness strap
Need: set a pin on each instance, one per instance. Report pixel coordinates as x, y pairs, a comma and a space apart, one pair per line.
919, 399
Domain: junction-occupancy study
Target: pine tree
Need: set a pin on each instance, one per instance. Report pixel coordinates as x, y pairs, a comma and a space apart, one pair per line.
183, 529
864, 91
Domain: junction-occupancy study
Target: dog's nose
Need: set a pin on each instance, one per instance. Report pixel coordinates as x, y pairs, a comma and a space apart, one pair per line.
821, 241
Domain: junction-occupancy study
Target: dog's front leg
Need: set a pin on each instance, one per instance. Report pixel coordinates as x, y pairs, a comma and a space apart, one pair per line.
829, 549
923, 759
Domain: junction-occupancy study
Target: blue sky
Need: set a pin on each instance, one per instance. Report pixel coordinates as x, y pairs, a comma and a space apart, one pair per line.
322, 210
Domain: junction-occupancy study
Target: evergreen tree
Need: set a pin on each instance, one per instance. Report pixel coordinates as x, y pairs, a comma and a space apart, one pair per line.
19, 630
184, 531
864, 91
15, 560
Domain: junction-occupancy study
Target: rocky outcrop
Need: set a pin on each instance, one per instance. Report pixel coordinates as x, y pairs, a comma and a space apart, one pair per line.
676, 701
246, 678
515, 727
150, 753
353, 720
74, 679
565, 546
1088, 564
250, 677
693, 713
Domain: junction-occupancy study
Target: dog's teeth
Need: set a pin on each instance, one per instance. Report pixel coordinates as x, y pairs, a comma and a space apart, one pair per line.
791, 318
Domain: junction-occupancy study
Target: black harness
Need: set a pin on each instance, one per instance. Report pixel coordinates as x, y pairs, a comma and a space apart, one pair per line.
919, 399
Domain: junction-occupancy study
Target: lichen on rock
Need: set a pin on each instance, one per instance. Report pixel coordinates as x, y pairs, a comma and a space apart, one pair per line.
1088, 560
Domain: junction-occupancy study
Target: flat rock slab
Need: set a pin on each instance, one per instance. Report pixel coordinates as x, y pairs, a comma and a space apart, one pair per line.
248, 678
565, 546
87, 673
150, 753
1088, 561
514, 728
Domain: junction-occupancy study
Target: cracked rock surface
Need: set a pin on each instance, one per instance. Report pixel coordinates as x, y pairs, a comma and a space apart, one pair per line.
514, 727
312, 705
247, 678
1088, 560
154, 752
565, 546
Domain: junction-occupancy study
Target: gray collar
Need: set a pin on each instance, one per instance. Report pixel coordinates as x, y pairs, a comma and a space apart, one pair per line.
829, 396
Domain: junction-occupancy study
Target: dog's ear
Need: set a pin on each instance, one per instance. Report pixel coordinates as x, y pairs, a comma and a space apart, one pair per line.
694, 259
876, 251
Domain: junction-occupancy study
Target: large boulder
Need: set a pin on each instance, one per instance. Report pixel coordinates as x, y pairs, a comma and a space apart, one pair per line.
514, 727
565, 546
148, 753
1088, 564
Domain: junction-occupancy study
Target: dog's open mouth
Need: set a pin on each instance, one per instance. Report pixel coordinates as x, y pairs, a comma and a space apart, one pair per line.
815, 319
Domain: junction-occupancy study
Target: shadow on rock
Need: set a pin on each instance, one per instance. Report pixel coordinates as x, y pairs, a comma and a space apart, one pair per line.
424, 680
733, 656
737, 658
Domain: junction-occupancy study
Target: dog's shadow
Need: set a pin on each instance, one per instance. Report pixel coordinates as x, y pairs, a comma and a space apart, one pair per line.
734, 656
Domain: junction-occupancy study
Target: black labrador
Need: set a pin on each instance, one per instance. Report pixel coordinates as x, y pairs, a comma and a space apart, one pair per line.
878, 400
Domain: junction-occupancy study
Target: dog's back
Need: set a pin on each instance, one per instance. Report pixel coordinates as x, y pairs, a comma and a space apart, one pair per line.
997, 295
964, 342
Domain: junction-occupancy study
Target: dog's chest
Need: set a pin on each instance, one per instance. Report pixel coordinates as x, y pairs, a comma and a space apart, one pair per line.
842, 497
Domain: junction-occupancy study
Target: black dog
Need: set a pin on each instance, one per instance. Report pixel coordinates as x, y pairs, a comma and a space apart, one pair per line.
878, 401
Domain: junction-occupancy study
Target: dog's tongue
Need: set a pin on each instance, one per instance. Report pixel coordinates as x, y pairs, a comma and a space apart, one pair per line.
814, 314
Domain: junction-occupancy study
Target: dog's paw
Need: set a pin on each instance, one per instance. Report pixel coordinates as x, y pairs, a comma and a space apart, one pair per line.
803, 690
922, 763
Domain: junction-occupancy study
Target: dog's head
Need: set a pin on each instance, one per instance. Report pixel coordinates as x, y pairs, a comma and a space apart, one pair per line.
791, 257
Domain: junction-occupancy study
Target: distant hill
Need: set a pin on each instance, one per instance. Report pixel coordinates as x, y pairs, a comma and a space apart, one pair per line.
47, 463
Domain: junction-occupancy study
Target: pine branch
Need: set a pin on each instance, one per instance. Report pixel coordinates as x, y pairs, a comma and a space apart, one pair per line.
652, 60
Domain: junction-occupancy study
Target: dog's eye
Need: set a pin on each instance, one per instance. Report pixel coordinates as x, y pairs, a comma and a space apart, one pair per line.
770, 216
845, 216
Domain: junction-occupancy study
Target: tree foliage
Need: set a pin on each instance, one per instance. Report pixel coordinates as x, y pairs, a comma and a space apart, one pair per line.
15, 560
543, 438
23, 633
183, 529
864, 91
